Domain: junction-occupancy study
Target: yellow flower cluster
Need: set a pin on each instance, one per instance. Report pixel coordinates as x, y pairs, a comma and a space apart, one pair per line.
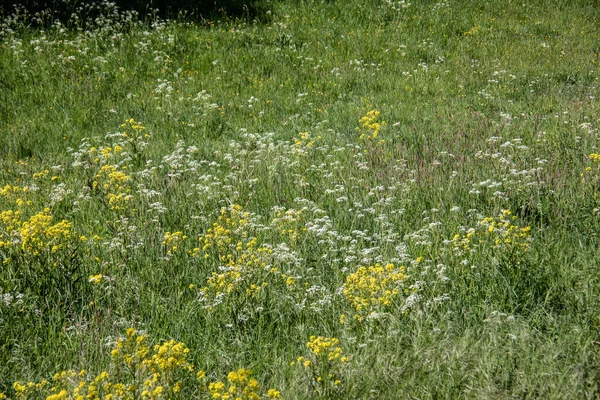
74, 385
105, 153
289, 223
36, 235
321, 346
16, 195
324, 363
95, 279
39, 234
134, 135
132, 127
239, 255
10, 221
10, 191
157, 370
370, 127
131, 143
164, 359
238, 271
41, 175
172, 241
230, 224
240, 386
372, 289
500, 230
114, 182
303, 143
137, 372
473, 31
141, 372
593, 171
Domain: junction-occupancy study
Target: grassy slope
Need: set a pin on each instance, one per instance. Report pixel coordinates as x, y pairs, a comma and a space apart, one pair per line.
445, 77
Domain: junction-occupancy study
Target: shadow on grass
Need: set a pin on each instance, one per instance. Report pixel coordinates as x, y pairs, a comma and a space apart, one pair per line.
80, 12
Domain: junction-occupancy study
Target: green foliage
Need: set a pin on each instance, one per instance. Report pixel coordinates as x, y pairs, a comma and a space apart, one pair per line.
353, 199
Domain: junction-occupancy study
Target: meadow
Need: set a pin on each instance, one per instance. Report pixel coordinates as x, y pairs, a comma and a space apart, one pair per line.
360, 199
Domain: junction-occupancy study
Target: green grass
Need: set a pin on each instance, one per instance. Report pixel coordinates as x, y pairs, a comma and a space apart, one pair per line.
487, 107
